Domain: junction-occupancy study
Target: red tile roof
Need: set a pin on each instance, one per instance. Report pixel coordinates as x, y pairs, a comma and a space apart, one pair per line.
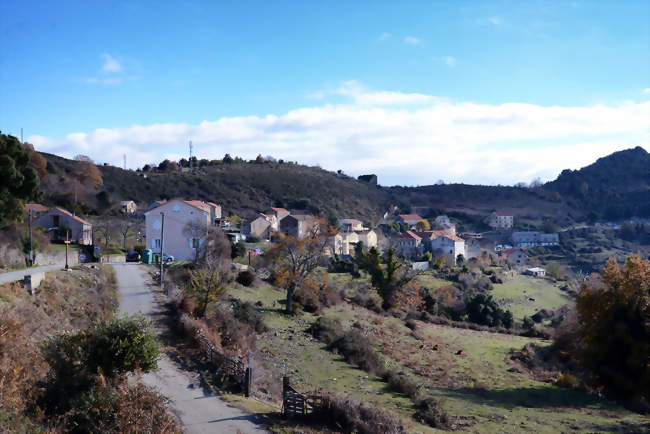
279, 209
69, 214
36, 207
410, 217
408, 234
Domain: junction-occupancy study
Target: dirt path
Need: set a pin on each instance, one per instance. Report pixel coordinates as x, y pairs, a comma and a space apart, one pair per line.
198, 409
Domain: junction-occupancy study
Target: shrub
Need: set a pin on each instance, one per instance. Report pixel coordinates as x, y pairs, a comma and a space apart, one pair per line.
432, 413
326, 329
247, 312
121, 408
567, 381
359, 350
246, 278
123, 345
482, 309
348, 415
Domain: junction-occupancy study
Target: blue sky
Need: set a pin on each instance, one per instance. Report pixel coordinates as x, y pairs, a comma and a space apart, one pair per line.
315, 81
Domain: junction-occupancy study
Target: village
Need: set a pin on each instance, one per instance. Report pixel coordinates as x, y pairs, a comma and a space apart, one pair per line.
175, 228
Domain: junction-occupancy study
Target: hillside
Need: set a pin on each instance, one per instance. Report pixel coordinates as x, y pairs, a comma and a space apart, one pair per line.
616, 186
242, 188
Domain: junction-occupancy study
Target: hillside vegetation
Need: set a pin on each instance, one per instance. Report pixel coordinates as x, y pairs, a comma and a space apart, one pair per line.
614, 187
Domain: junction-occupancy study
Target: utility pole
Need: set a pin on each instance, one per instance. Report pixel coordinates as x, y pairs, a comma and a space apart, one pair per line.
124, 161
21, 136
31, 250
162, 241
67, 243
190, 155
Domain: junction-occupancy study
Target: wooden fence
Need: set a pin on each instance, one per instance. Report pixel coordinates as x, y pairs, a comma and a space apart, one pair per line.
295, 403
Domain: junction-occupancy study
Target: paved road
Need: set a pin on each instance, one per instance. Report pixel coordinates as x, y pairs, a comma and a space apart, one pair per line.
20, 274
199, 411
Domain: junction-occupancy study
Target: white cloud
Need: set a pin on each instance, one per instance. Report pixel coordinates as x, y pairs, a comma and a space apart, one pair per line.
438, 139
111, 65
450, 61
363, 96
412, 40
384, 36
646, 90
495, 21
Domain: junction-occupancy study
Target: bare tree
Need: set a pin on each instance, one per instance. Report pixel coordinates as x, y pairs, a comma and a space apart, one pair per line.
296, 259
196, 230
126, 228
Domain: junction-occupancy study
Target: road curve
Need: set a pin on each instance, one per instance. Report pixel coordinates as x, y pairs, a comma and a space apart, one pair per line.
199, 411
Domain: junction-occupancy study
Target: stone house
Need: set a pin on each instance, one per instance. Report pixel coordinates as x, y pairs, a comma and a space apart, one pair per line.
128, 207
276, 215
57, 221
407, 244
348, 225
499, 220
260, 227
514, 256
298, 225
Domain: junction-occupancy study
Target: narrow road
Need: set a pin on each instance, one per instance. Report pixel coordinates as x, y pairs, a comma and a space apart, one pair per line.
12, 276
199, 411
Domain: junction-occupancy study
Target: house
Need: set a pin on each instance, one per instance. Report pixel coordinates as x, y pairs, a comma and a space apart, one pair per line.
349, 225
498, 220
408, 219
186, 224
442, 220
212, 208
407, 244
534, 239
368, 238
344, 243
278, 214
297, 226
260, 227
35, 209
448, 245
514, 256
58, 222
535, 271
155, 204
128, 207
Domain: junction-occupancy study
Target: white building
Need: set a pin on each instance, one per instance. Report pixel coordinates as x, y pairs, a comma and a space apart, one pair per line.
500, 220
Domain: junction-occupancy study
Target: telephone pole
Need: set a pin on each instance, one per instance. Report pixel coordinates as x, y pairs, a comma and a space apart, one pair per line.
124, 161
162, 241
190, 155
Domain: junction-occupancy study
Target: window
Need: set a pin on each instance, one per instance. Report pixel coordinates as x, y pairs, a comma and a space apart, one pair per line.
156, 243
194, 243
55, 220
177, 207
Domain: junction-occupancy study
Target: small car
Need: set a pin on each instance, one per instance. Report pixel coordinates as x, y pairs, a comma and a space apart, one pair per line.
133, 257
168, 258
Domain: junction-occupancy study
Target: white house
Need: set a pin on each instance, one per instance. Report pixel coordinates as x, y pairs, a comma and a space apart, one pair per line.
186, 223
408, 244
499, 220
536, 271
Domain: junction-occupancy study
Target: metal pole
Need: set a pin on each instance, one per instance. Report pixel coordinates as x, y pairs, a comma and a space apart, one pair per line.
67, 243
162, 243
31, 250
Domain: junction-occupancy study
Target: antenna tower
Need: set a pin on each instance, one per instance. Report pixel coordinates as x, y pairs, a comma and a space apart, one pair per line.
190, 154
124, 161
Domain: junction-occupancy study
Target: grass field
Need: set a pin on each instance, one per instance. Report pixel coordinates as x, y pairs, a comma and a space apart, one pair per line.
479, 388
525, 295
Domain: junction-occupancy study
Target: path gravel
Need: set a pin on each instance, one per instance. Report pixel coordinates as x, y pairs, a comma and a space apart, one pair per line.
199, 410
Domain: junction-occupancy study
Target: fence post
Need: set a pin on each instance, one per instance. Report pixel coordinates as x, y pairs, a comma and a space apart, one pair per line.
249, 381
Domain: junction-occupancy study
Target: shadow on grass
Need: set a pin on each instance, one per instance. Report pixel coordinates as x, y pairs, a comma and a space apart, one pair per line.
530, 397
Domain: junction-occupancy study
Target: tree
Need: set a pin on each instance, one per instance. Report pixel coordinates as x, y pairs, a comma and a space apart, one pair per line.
87, 172
259, 159
460, 259
210, 276
37, 161
423, 225
18, 179
297, 259
482, 309
126, 227
386, 278
614, 326
196, 230
227, 159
